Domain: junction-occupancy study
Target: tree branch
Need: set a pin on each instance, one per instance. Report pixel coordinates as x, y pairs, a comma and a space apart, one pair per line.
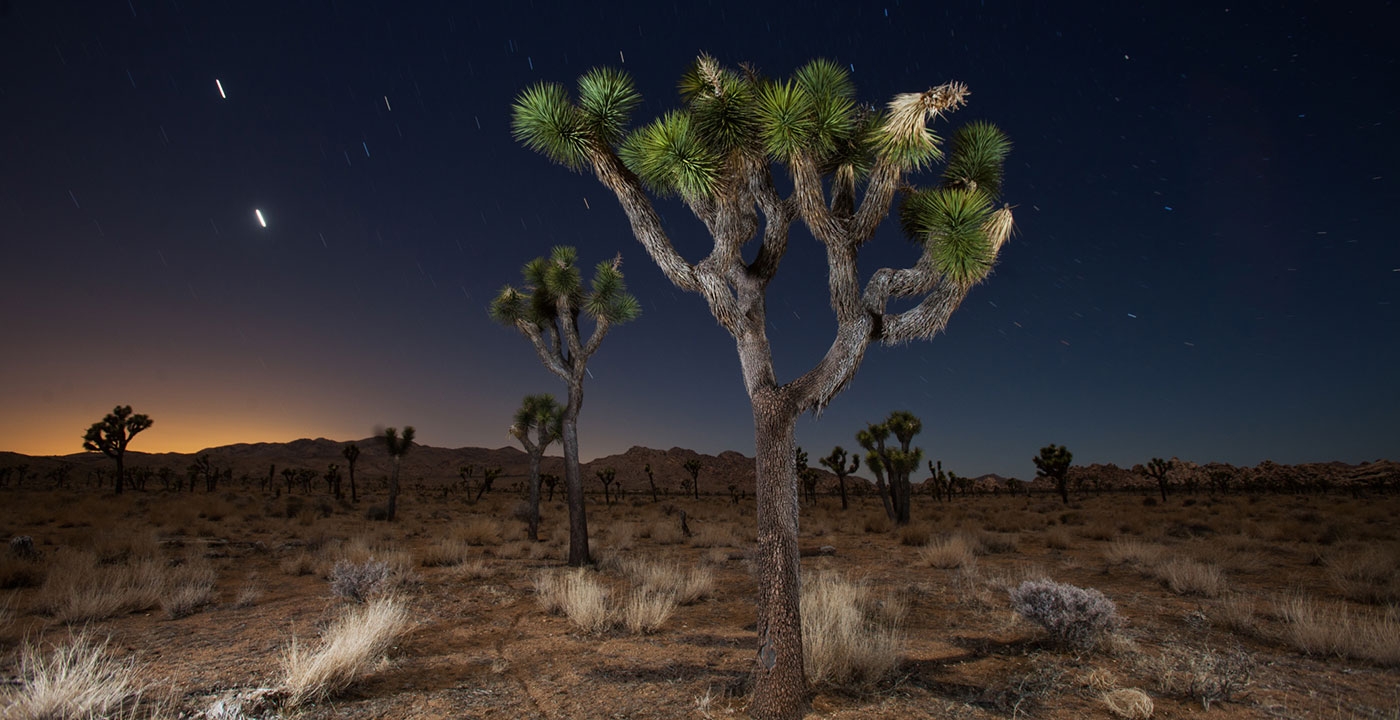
926, 319
552, 362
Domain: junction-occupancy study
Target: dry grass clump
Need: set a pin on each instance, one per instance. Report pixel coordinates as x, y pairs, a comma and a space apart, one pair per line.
1236, 613
446, 552
1134, 552
715, 534
1129, 703
478, 530
576, 594
687, 584
914, 535
666, 531
124, 545
1367, 575
1058, 538
949, 552
251, 592
347, 650
188, 587
359, 581
1314, 629
20, 572
301, 563
1188, 577
1205, 675
847, 641
877, 522
645, 611
80, 679
78, 589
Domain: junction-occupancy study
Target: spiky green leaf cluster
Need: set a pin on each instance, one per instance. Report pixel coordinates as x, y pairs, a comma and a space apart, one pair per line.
721, 106
979, 152
606, 98
671, 158
786, 119
951, 222
550, 280
609, 298
545, 121
536, 412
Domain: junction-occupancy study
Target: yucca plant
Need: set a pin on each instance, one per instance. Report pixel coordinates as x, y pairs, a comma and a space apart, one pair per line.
836, 463
547, 309
898, 463
543, 415
718, 152
397, 446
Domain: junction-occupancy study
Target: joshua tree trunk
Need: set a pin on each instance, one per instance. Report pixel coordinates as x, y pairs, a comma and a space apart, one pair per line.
573, 482
533, 531
779, 686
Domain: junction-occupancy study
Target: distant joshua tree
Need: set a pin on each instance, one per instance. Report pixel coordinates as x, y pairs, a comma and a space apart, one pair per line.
488, 477
1158, 469
942, 482
836, 463
542, 415
807, 476
694, 466
1053, 463
546, 312
651, 478
397, 445
549, 480
898, 463
111, 436
332, 477
607, 476
352, 453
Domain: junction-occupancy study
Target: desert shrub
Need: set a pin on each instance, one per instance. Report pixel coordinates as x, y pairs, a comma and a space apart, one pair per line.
914, 535
445, 552
947, 552
302, 563
1204, 674
1128, 703
78, 589
22, 546
358, 581
346, 652
846, 642
251, 592
877, 522
20, 571
478, 530
1058, 538
1073, 616
79, 679
1366, 575
1236, 613
1188, 577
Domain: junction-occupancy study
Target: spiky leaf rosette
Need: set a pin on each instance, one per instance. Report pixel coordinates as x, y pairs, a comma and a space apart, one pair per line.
721, 105
510, 306
670, 157
535, 412
952, 223
607, 97
905, 138
787, 119
833, 108
979, 152
544, 120
561, 276
609, 298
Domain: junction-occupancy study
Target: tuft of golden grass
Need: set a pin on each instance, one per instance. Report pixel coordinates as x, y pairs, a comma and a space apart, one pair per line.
1184, 576
1134, 552
188, 587
79, 679
687, 584
645, 611
79, 589
1366, 574
1129, 703
478, 530
1316, 629
346, 652
446, 552
844, 644
914, 535
946, 553
576, 594
1058, 538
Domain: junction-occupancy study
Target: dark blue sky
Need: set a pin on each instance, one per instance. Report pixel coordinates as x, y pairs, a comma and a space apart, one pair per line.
1205, 264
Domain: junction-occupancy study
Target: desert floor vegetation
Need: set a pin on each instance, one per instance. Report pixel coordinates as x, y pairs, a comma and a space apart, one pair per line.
1245, 604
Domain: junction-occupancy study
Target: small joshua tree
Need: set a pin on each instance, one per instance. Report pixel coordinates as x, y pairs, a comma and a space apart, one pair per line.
836, 463
541, 414
1053, 463
111, 436
942, 482
1158, 470
332, 478
808, 476
651, 478
547, 312
352, 453
607, 476
397, 445
488, 477
694, 466
550, 480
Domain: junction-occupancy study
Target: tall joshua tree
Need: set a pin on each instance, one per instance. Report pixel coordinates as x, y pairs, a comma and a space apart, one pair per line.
694, 466
547, 312
541, 414
397, 445
352, 453
873, 438
1159, 470
898, 463
836, 463
846, 162
1053, 463
111, 436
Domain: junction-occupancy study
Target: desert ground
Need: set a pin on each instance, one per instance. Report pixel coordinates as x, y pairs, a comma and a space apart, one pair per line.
1238, 606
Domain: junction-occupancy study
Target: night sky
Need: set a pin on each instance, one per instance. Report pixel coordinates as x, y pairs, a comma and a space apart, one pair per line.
1205, 266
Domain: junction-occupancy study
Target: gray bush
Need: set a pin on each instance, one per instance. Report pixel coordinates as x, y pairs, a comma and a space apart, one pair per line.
1072, 615
358, 581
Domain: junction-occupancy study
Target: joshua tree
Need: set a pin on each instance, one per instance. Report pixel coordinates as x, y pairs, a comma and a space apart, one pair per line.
1157, 469
542, 414
352, 453
488, 477
111, 436
607, 476
896, 462
547, 313
550, 480
290, 476
1053, 462
942, 482
333, 480
846, 162
836, 462
694, 466
807, 475
652, 480
397, 445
